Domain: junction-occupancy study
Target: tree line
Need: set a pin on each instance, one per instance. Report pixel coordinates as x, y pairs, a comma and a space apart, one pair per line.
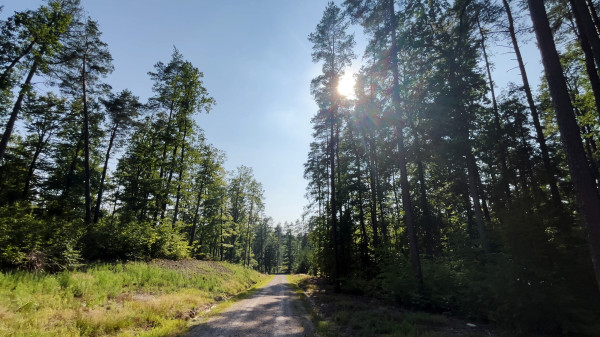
91, 174
433, 187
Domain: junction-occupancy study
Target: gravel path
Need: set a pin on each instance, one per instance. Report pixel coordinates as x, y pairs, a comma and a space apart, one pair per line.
272, 311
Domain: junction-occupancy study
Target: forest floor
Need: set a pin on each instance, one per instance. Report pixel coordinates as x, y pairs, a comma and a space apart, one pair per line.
344, 315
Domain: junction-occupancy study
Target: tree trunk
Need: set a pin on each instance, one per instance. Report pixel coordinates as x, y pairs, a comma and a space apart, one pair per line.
104, 170
373, 195
501, 146
473, 192
333, 205
431, 230
584, 19
364, 241
180, 177
196, 212
86, 145
585, 187
16, 109
247, 246
595, 19
406, 198
590, 66
221, 234
548, 166
31, 169
6, 74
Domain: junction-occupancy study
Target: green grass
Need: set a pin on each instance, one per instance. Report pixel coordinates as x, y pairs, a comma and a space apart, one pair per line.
143, 299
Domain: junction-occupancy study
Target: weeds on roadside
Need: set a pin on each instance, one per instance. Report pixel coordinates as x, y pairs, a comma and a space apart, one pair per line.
107, 299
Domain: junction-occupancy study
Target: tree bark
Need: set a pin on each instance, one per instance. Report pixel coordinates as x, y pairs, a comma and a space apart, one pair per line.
373, 194
10, 124
6, 74
404, 185
548, 166
180, 177
584, 19
590, 66
585, 187
86, 145
104, 170
501, 146
31, 169
333, 204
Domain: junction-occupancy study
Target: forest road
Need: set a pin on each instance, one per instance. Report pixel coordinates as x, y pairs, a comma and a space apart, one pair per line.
272, 311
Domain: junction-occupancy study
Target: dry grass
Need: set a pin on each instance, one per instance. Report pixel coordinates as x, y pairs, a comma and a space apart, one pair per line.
142, 299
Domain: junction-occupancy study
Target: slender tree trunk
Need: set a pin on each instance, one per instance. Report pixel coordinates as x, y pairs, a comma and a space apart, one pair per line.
501, 146
406, 198
592, 9
582, 15
6, 74
431, 230
373, 195
585, 187
104, 170
247, 246
86, 144
10, 124
364, 241
548, 166
163, 163
333, 204
479, 218
221, 235
31, 169
69, 178
196, 212
163, 208
180, 177
590, 66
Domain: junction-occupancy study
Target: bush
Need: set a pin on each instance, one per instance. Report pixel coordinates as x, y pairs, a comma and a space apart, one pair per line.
30, 242
135, 240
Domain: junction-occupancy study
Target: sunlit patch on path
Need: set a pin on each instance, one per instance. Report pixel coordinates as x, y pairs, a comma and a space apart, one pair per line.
272, 311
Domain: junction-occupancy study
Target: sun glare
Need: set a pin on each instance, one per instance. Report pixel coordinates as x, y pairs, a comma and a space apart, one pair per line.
346, 85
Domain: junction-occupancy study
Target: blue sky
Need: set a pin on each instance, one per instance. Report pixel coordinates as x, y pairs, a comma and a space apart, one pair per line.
257, 65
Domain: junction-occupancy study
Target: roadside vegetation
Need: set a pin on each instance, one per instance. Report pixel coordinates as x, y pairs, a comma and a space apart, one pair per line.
125, 299
339, 314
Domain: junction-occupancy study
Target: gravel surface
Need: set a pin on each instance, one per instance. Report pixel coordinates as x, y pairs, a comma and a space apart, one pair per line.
272, 311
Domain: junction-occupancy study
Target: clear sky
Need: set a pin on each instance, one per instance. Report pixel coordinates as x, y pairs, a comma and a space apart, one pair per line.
257, 65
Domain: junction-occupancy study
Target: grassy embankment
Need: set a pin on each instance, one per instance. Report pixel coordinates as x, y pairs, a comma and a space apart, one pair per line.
348, 315
142, 299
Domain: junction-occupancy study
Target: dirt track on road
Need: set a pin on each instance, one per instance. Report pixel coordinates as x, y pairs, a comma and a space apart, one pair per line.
272, 311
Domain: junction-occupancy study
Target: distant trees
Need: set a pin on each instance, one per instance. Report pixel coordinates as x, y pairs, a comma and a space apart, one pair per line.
94, 174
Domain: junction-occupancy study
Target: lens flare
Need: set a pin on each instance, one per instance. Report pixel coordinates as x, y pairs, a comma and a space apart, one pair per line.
346, 85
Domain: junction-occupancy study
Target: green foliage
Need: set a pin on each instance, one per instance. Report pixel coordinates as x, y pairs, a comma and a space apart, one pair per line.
116, 240
108, 299
29, 242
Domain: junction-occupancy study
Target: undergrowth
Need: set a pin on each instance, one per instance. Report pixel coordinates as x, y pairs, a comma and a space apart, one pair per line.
136, 298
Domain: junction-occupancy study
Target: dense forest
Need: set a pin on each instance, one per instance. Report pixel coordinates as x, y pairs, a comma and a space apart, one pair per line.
89, 174
430, 187
436, 188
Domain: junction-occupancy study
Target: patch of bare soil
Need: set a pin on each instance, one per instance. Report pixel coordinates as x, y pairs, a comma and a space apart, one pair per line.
192, 266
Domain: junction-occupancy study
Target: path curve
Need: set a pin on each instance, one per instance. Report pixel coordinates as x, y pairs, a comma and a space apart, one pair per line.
272, 311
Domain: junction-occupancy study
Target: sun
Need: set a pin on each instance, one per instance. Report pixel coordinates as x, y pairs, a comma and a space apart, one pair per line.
346, 85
